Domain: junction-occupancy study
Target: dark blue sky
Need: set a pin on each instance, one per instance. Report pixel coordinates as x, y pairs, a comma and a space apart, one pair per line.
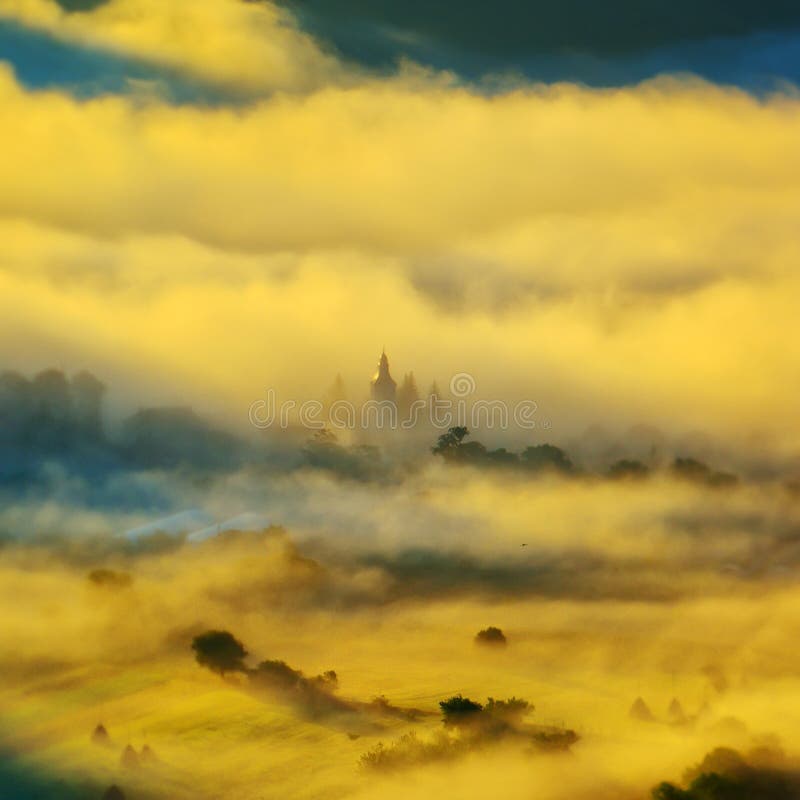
509, 30
752, 45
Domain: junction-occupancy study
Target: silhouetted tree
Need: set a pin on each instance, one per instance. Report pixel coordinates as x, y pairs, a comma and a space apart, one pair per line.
323, 449
281, 675
220, 651
323, 437
628, 469
147, 755
278, 673
491, 636
666, 791
725, 775
641, 711
555, 740
15, 406
511, 710
337, 391
449, 443
676, 713
100, 735
129, 758
458, 710
87, 400
329, 677
502, 458
407, 394
51, 403
172, 437
470, 453
691, 469
546, 457
113, 793
722, 480
722, 760
360, 462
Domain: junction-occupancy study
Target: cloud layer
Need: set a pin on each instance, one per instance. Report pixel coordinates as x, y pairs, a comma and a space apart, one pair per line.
562, 243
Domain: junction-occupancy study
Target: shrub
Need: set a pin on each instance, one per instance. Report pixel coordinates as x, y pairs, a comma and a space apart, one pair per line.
555, 739
409, 750
458, 710
220, 651
512, 709
278, 673
491, 636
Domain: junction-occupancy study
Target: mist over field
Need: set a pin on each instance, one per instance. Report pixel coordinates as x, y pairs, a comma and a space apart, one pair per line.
652, 617
553, 245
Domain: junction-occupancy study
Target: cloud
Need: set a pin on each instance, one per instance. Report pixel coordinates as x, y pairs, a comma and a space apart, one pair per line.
42, 60
616, 255
503, 179
245, 47
104, 631
585, 540
91, 47
527, 234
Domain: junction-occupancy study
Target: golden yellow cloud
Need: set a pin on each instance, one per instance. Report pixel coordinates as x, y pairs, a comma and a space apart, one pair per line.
244, 46
616, 255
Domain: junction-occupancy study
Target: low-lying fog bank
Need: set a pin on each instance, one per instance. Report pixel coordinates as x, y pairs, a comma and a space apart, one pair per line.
654, 619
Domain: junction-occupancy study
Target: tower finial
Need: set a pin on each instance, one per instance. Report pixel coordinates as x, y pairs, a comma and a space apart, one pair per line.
383, 385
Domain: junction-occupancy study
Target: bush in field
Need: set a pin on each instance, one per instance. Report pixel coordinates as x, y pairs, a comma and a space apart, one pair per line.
282, 676
470, 726
315, 696
278, 673
554, 739
511, 710
459, 710
725, 775
220, 651
491, 636
409, 750
380, 705
329, 679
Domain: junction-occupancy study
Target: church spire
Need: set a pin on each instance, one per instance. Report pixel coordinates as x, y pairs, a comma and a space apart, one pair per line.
384, 386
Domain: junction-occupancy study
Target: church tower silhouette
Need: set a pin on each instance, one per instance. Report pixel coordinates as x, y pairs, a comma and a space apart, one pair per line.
383, 386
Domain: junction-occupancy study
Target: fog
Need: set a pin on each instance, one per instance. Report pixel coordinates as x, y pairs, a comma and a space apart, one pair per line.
205, 205
607, 591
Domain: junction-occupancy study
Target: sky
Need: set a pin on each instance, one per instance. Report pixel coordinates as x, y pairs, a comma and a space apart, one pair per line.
597, 210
